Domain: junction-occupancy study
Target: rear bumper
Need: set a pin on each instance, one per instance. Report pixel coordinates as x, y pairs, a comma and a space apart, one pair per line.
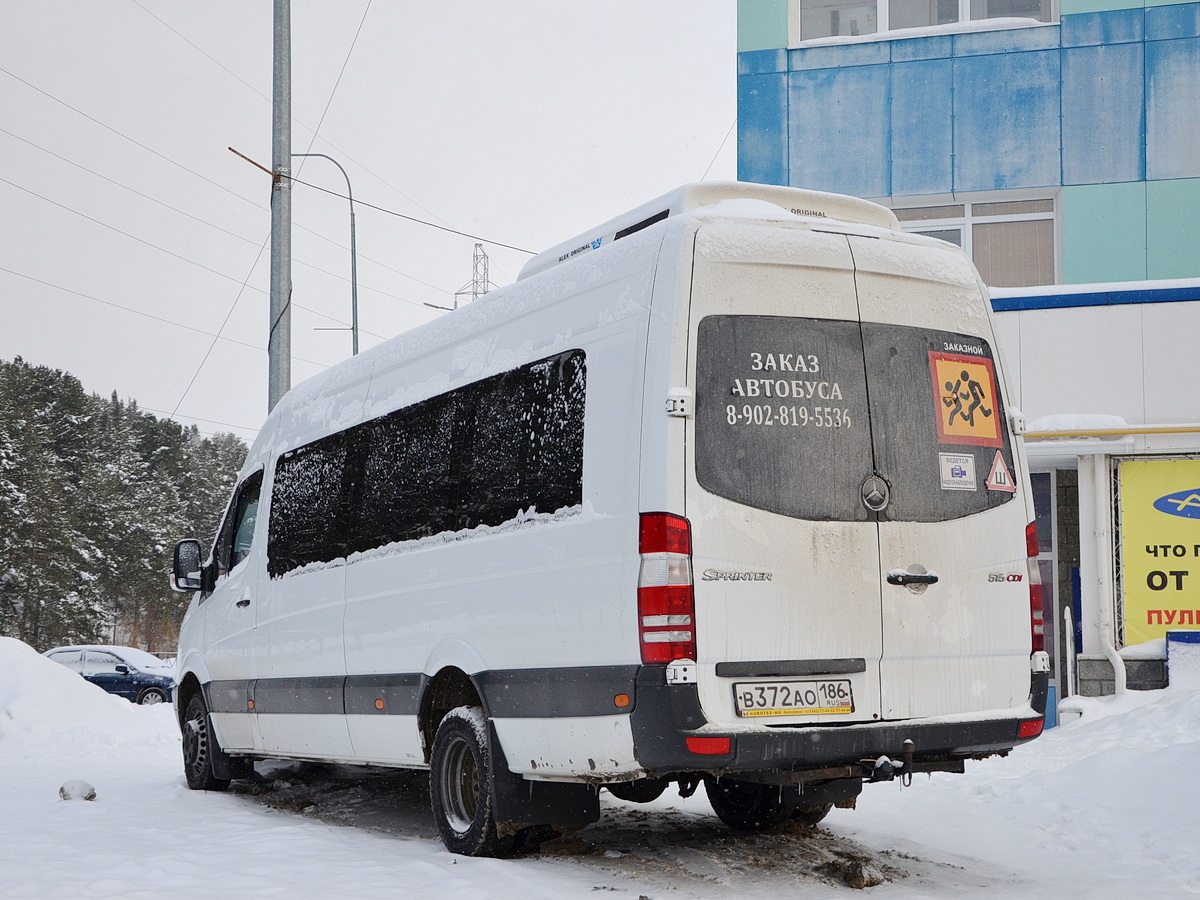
666, 715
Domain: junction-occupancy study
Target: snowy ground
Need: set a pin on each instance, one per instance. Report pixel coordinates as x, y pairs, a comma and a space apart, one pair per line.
1103, 807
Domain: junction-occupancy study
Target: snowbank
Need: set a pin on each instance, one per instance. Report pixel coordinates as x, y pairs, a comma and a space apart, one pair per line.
1102, 808
42, 703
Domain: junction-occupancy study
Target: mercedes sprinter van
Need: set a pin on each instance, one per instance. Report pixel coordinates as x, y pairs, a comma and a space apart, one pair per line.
724, 492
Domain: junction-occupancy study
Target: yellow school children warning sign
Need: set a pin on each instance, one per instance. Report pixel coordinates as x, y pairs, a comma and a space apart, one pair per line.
964, 388
1160, 546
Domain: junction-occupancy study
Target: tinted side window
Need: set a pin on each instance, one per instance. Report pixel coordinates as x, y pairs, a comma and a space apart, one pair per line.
306, 520
522, 446
474, 456
409, 486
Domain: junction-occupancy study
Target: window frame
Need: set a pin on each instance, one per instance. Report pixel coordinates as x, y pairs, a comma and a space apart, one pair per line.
967, 222
231, 524
883, 29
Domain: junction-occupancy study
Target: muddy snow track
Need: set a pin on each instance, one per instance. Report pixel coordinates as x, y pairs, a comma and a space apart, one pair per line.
669, 847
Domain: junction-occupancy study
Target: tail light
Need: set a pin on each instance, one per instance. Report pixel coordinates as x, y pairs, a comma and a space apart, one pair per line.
1036, 608
666, 613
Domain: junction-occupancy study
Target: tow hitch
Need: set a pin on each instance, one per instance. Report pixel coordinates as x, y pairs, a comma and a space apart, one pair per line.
886, 769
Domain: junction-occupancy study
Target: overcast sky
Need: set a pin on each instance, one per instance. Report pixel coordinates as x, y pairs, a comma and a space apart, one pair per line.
130, 237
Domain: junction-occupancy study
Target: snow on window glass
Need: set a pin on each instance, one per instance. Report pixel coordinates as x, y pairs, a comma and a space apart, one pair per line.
483, 454
306, 522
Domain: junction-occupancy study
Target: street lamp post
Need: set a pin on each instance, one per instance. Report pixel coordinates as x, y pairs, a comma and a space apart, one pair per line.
353, 251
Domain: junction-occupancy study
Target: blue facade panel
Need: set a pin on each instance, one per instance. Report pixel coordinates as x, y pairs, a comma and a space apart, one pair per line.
1103, 98
922, 150
1172, 96
762, 137
762, 62
1103, 114
1166, 23
874, 53
839, 129
1007, 40
1121, 26
1006, 121
940, 46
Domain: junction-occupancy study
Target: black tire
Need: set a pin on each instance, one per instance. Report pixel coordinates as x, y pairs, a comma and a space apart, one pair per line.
199, 746
460, 789
641, 791
151, 696
744, 805
811, 815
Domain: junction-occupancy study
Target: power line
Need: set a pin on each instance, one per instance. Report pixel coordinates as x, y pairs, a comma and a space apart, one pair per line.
224, 322
200, 419
719, 149
168, 252
233, 234
253, 89
127, 137
146, 315
338, 80
253, 203
392, 212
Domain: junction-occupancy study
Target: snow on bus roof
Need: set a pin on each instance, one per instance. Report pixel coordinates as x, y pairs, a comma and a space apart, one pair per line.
791, 202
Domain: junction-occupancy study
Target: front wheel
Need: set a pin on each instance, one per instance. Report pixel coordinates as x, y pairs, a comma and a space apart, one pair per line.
199, 747
744, 805
460, 786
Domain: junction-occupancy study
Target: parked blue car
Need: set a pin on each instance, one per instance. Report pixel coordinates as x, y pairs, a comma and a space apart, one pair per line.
125, 671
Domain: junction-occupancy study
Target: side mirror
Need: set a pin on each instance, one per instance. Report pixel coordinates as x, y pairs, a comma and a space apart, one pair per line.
122, 670
185, 572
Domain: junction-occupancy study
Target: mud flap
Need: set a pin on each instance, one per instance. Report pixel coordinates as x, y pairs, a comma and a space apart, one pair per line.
516, 799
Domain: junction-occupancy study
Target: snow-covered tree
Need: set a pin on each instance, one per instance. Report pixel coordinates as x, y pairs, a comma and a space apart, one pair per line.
93, 495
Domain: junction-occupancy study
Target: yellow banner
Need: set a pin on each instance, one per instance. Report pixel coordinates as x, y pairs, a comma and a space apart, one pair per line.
1160, 546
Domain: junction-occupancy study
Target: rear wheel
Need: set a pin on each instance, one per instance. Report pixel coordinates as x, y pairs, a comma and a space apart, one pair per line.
199, 747
811, 815
460, 787
745, 805
151, 696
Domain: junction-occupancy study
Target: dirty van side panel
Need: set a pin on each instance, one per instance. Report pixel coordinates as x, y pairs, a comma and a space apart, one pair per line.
227, 623
541, 600
785, 559
298, 695
958, 503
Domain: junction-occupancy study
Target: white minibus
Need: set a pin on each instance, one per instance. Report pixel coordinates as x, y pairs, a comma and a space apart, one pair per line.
724, 492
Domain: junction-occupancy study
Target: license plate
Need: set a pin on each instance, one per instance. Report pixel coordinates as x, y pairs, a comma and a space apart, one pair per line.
793, 698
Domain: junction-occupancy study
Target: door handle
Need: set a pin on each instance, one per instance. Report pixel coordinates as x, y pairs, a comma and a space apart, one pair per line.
903, 578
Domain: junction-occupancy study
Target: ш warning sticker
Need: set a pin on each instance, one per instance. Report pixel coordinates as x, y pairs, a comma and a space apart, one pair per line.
964, 388
999, 478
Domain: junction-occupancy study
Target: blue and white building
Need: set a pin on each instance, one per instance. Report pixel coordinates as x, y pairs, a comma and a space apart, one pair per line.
1058, 143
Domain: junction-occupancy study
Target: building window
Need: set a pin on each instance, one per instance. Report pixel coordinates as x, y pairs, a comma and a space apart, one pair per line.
1011, 242
814, 19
